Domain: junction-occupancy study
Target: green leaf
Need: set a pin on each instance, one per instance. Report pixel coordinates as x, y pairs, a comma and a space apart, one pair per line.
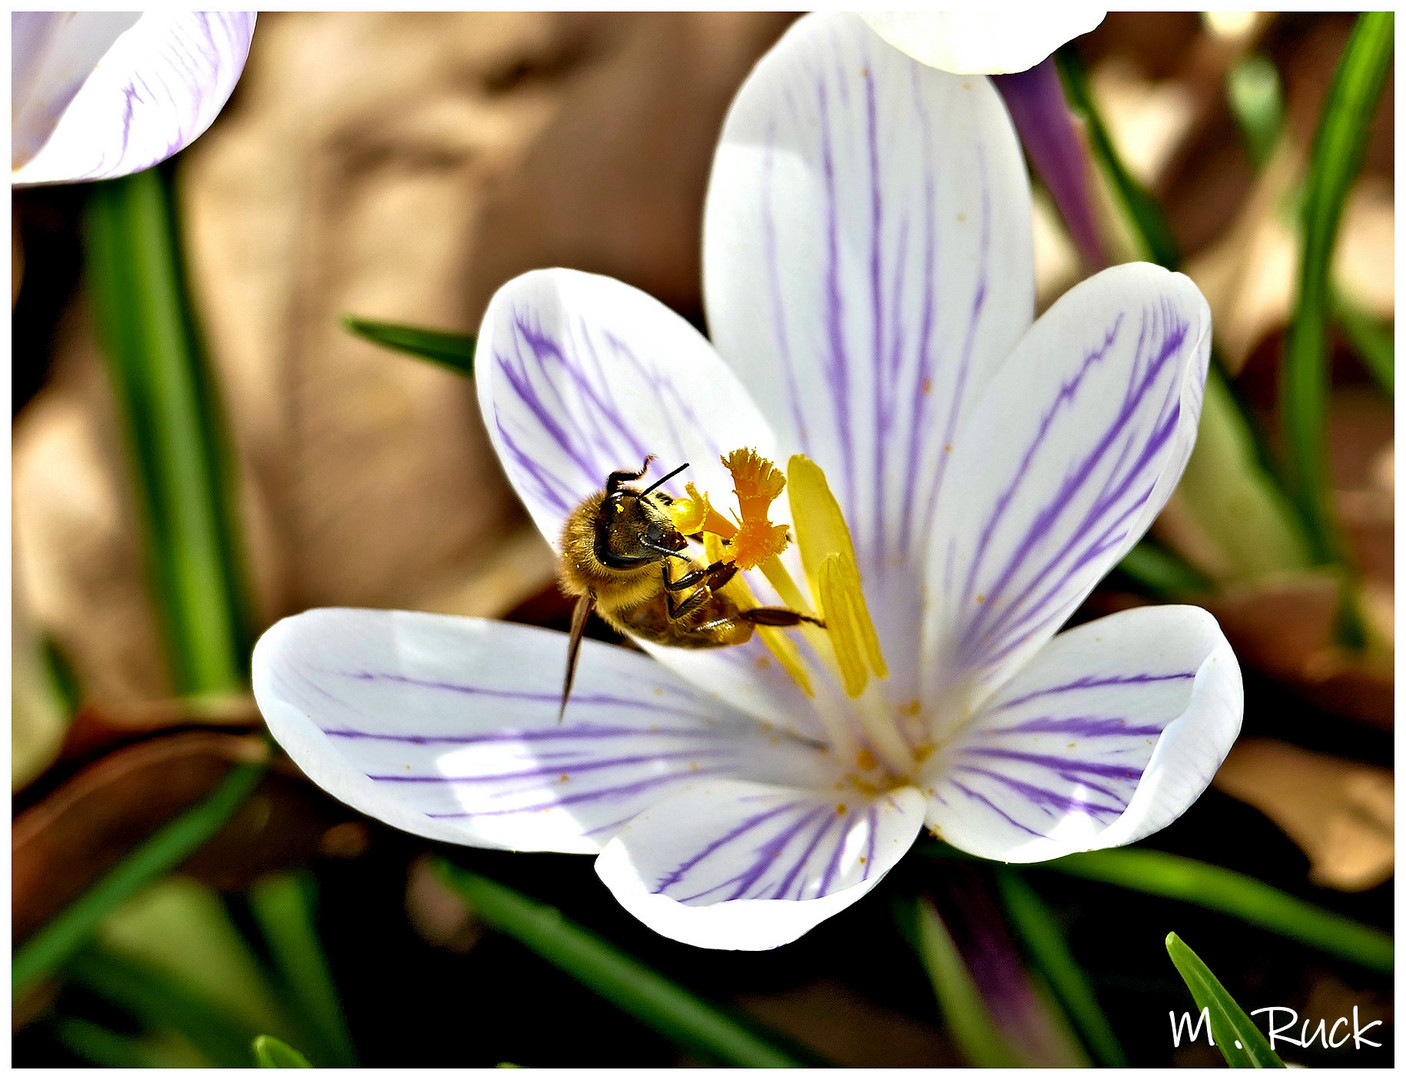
158, 1000
1036, 927
166, 401
273, 1053
1256, 100
1374, 341
966, 1014
622, 980
284, 906
1218, 889
1337, 152
454, 351
68, 931
1242, 1044
1231, 499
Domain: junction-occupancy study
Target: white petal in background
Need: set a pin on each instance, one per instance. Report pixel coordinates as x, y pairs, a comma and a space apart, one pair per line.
987, 40
447, 728
104, 94
1108, 734
733, 865
1064, 464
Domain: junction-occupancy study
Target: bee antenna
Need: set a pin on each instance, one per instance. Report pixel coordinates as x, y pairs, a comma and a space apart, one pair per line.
664, 479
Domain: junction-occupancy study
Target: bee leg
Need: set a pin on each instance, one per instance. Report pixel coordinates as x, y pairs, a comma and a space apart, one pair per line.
624, 476
715, 577
579, 615
777, 616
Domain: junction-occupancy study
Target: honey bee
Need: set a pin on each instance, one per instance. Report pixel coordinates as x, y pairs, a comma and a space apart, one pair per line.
616, 550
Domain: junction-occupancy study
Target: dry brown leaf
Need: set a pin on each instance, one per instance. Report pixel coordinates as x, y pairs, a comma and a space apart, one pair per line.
1340, 812
395, 167
80, 830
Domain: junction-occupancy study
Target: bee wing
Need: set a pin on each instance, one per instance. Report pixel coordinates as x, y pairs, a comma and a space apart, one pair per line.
582, 612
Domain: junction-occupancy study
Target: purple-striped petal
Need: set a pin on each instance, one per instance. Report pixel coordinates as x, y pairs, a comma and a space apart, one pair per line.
1108, 734
103, 94
1063, 466
580, 375
867, 263
733, 865
447, 727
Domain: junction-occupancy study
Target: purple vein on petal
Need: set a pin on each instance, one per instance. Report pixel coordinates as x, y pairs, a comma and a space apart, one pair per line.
931, 288
557, 768
977, 796
542, 735
635, 788
746, 826
778, 304
1051, 803
1090, 682
1055, 763
979, 631
837, 359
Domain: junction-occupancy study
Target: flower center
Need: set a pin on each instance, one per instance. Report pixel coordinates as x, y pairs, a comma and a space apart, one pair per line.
862, 730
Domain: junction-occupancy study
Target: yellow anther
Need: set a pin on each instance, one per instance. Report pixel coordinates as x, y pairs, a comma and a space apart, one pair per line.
756, 483
827, 553
695, 514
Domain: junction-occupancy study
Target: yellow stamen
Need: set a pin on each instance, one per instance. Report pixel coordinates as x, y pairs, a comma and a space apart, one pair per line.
823, 538
781, 646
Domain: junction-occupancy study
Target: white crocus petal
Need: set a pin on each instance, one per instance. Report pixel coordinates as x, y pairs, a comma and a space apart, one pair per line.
579, 376
107, 94
736, 865
447, 728
1064, 464
987, 40
867, 264
1108, 734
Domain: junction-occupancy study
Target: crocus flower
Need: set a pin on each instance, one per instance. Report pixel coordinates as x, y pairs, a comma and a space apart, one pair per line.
98, 94
869, 288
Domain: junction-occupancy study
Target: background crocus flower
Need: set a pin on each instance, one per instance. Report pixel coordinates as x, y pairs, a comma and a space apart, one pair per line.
869, 285
98, 94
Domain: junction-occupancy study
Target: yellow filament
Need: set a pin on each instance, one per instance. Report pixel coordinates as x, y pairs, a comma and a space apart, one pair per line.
824, 539
782, 647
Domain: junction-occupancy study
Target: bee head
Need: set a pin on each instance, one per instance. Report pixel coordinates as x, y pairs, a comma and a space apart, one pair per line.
633, 530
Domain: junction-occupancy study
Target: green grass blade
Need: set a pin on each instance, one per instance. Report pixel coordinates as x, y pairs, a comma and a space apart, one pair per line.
273, 1053
1218, 889
158, 1000
454, 351
1374, 341
166, 402
965, 1013
107, 1048
625, 982
1336, 158
1034, 924
284, 908
68, 931
1242, 1044
1161, 573
1256, 100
